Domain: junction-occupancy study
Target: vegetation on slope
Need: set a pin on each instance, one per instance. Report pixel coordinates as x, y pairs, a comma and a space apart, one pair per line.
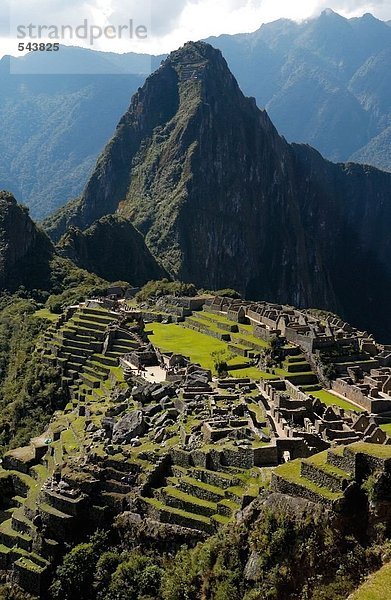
29, 390
276, 553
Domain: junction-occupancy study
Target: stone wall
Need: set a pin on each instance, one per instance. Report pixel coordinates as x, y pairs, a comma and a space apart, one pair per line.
204, 328
296, 394
27, 578
265, 334
266, 456
295, 446
242, 459
345, 462
323, 479
156, 477
6, 490
353, 393
281, 485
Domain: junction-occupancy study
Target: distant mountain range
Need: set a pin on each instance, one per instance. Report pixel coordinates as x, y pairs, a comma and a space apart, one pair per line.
54, 126
325, 82
223, 201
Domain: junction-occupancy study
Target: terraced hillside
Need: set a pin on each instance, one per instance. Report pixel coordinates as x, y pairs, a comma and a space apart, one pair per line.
159, 437
201, 499
117, 445
239, 341
76, 342
328, 477
35, 520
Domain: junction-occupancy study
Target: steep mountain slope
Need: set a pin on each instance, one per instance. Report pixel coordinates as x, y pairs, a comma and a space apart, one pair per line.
25, 251
113, 249
224, 201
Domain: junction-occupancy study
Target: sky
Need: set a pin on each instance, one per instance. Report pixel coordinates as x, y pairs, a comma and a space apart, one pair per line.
154, 26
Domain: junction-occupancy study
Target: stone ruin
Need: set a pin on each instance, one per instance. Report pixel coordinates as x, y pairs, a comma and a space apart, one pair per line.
371, 391
183, 455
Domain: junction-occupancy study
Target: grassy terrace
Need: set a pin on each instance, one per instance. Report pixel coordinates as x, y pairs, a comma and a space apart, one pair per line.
250, 338
291, 471
209, 324
330, 399
176, 511
377, 450
216, 317
375, 588
320, 461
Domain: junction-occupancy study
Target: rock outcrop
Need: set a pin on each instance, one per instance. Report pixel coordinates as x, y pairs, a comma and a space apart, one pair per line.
25, 250
113, 249
130, 426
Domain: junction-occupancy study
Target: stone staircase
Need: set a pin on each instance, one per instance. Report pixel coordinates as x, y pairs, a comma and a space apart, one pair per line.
201, 499
76, 341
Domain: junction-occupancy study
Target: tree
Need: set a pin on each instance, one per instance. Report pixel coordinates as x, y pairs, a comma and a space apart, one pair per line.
75, 576
220, 361
136, 578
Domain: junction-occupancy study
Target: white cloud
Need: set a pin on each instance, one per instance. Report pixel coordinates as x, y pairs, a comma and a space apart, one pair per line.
171, 22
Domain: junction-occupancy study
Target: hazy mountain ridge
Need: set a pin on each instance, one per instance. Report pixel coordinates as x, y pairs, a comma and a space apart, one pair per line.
54, 126
324, 82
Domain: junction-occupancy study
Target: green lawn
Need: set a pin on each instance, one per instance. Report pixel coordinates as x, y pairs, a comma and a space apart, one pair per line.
253, 373
198, 347
387, 428
330, 399
377, 587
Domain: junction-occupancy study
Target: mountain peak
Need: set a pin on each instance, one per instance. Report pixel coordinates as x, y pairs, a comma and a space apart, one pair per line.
191, 60
329, 12
7, 197
194, 51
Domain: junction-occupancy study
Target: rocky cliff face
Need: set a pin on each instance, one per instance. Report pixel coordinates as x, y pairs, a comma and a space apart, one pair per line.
25, 250
223, 200
113, 249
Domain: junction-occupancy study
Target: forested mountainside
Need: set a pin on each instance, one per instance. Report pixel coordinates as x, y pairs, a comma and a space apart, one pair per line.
113, 249
224, 201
